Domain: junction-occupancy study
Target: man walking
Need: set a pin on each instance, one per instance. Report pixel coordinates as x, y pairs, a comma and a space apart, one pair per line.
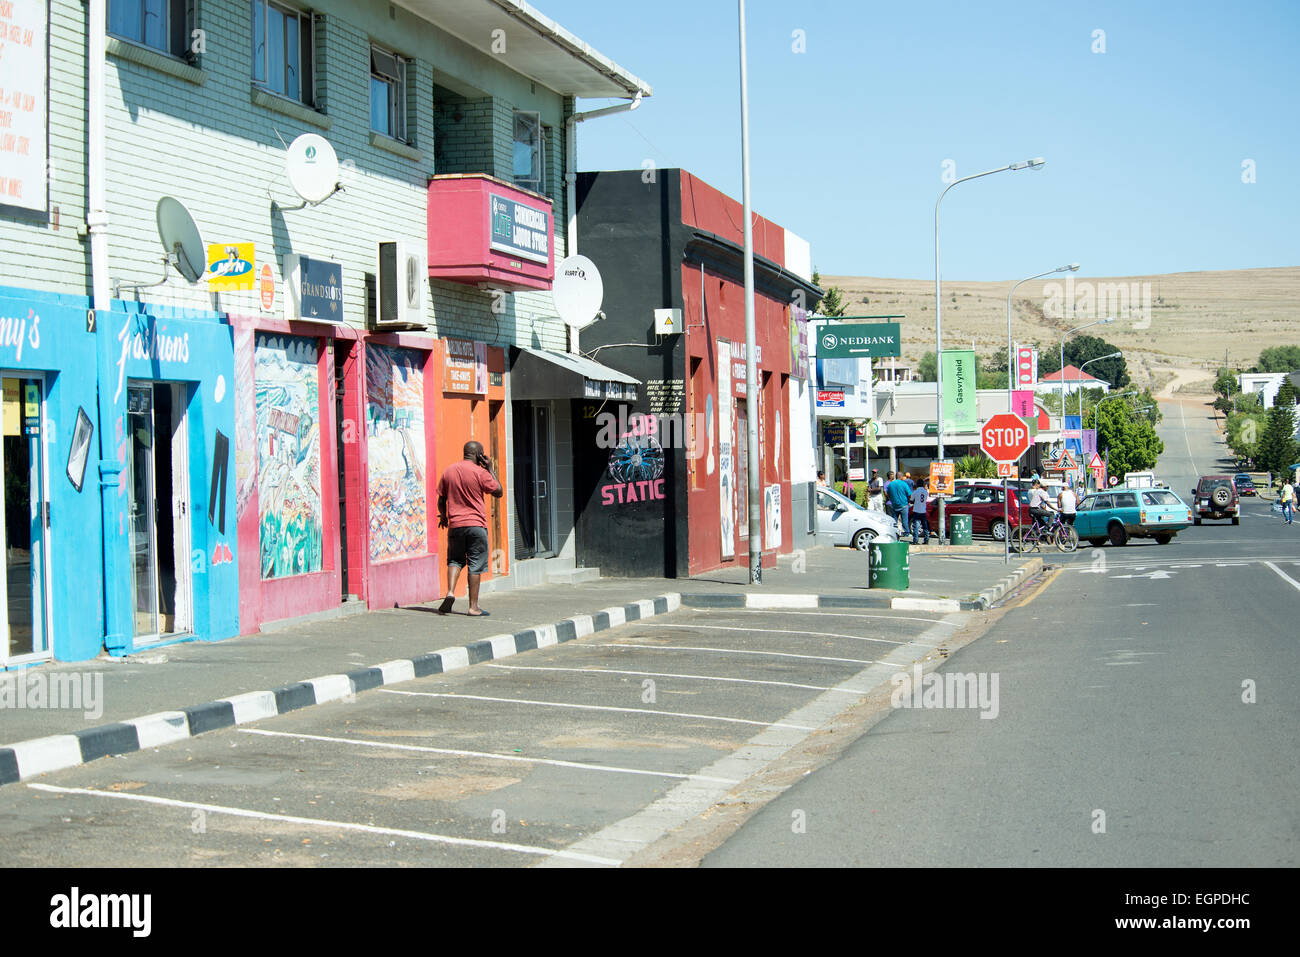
899, 494
1288, 501
461, 512
920, 521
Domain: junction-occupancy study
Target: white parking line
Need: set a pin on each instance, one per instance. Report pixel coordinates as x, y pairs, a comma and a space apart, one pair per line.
1295, 584
596, 707
778, 631
737, 651
845, 614
660, 674
332, 825
455, 752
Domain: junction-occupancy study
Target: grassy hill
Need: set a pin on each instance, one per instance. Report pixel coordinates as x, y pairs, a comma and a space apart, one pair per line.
1192, 320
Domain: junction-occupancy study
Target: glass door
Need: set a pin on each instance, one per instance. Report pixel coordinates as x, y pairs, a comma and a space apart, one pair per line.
139, 424
542, 458
25, 531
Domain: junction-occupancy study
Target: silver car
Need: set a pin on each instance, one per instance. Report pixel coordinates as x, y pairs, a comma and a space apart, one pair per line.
848, 523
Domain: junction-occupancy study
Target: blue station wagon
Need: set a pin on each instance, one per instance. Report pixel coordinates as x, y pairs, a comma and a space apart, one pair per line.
1131, 513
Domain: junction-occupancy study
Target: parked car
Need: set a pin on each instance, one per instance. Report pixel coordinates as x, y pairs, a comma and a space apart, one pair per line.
1215, 496
1245, 485
983, 503
1122, 514
848, 523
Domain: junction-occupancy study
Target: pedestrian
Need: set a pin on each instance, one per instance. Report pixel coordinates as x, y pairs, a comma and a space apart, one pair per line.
919, 519
847, 488
889, 506
1068, 503
899, 494
821, 479
461, 512
1288, 502
877, 495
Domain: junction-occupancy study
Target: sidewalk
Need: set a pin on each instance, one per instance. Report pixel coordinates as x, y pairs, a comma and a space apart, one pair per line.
180, 690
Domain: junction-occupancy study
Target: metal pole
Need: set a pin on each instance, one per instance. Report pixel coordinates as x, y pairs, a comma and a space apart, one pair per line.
938, 353
751, 367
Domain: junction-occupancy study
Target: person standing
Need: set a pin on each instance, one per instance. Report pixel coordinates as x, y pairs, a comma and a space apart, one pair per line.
920, 521
899, 494
877, 496
1288, 501
461, 512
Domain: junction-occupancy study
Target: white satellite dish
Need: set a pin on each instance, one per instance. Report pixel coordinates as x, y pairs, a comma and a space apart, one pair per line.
180, 237
313, 167
577, 291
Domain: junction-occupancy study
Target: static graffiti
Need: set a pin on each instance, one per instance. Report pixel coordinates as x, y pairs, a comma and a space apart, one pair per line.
636, 466
627, 492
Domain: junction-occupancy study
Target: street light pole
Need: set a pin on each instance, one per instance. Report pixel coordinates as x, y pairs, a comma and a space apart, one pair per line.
751, 365
1006, 482
1036, 163
1061, 371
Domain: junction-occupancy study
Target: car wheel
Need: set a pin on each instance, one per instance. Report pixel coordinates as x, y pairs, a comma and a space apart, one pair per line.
1163, 539
1118, 536
863, 539
1221, 497
1235, 520
998, 530
1096, 542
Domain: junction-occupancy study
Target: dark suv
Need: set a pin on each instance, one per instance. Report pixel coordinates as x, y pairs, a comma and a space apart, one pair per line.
1215, 496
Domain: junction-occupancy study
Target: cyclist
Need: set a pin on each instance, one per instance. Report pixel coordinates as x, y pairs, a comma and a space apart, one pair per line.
1068, 502
1040, 505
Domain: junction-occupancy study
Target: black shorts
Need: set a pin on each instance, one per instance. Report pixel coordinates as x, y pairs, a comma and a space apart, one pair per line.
467, 547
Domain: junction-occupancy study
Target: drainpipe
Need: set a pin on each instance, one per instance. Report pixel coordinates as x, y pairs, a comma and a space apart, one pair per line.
571, 178
97, 213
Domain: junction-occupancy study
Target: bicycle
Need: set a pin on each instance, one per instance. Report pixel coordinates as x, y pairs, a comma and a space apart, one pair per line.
1029, 537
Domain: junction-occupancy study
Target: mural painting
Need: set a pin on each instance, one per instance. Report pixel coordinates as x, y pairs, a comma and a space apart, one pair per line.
288, 455
396, 445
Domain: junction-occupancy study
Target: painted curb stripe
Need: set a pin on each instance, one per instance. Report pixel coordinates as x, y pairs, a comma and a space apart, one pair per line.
8, 766
165, 727
208, 717
107, 739
294, 696
365, 679
53, 753
781, 601
253, 706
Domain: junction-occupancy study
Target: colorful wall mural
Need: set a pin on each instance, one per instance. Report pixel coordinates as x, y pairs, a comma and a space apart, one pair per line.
396, 446
288, 454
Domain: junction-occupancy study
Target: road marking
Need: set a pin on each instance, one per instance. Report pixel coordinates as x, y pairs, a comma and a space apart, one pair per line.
1041, 588
596, 707
779, 631
332, 825
1159, 573
1182, 413
842, 614
737, 651
456, 752
660, 674
1293, 582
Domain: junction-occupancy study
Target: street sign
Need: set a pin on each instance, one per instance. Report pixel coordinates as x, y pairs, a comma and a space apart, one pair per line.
1067, 462
1095, 464
1008, 470
1005, 437
931, 428
859, 340
941, 476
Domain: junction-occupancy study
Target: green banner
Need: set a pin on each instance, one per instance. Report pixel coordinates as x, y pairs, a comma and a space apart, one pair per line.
960, 413
843, 340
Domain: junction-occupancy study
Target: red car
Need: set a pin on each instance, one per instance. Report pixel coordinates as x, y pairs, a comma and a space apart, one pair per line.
983, 503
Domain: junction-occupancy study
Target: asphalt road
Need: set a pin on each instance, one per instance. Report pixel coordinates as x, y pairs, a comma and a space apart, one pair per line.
1148, 701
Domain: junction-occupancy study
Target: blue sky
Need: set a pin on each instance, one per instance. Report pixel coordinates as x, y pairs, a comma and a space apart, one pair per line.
1144, 143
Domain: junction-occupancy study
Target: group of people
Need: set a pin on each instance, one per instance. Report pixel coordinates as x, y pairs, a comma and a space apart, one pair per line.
900, 496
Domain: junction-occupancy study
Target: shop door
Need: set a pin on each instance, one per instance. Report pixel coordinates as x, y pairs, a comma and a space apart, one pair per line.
742, 469
25, 530
534, 522
160, 510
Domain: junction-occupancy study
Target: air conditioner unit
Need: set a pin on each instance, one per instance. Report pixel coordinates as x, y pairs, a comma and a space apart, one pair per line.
403, 281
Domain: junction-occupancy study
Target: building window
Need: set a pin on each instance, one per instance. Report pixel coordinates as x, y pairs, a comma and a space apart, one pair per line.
161, 24
387, 94
530, 152
283, 50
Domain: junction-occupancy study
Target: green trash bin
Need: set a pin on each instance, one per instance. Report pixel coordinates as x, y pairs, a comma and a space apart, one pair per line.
888, 566
959, 530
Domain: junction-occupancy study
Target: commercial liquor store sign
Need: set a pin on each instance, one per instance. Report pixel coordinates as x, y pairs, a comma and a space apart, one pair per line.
860, 340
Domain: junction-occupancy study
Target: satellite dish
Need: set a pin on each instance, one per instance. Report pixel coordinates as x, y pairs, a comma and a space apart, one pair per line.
577, 291
180, 237
313, 167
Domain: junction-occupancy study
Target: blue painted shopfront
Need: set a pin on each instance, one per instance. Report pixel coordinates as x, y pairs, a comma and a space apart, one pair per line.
170, 541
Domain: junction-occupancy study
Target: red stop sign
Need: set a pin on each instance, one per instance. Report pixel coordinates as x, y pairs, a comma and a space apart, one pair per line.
1005, 437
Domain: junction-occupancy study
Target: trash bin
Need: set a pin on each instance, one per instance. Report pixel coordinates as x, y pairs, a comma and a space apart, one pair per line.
959, 530
888, 566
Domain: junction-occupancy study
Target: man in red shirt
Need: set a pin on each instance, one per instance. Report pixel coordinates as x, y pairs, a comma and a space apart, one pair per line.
461, 512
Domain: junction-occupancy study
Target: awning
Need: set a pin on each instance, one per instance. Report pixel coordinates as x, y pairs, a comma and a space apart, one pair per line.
539, 374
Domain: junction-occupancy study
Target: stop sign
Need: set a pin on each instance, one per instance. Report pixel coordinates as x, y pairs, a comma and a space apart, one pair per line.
1005, 437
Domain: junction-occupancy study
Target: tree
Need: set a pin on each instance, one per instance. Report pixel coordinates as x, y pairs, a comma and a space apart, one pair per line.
990, 378
833, 303
975, 466
927, 370
1244, 430
1083, 349
1277, 449
1280, 359
1130, 441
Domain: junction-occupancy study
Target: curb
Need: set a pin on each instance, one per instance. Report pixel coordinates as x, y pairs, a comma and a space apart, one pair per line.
28, 759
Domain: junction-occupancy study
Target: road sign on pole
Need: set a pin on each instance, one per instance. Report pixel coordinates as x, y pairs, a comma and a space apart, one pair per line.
1005, 437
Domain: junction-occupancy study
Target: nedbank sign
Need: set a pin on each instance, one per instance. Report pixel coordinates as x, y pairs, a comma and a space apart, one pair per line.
844, 341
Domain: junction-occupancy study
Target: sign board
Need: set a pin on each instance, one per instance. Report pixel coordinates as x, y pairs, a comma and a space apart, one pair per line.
941, 478
266, 288
24, 76
668, 322
959, 402
859, 340
827, 399
230, 267
1026, 366
1008, 470
313, 288
519, 230
1005, 437
1095, 464
465, 369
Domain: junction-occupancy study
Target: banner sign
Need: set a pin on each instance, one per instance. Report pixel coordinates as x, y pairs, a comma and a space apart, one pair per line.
1072, 433
830, 400
1026, 367
465, 367
959, 403
941, 478
1022, 403
726, 459
798, 342
519, 230
859, 340
230, 267
24, 76
314, 288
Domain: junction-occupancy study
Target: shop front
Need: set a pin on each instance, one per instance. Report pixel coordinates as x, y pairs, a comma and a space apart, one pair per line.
50, 596
167, 404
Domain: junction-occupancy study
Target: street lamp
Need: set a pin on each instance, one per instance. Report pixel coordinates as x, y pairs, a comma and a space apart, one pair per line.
1117, 395
1061, 371
1112, 355
1035, 163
